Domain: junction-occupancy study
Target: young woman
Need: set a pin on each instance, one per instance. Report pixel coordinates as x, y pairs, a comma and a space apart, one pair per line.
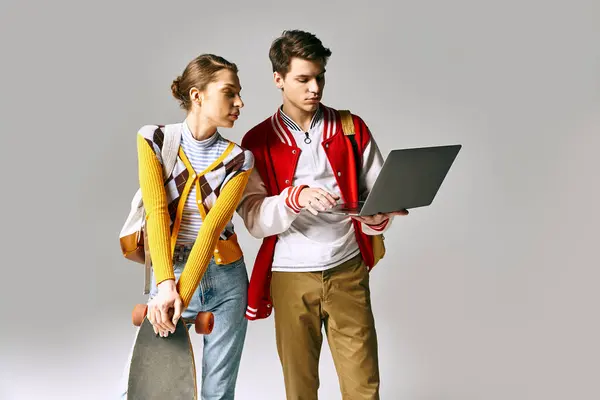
197, 262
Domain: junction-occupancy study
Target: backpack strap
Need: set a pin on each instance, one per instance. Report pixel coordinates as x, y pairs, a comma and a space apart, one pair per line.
170, 148
348, 128
347, 123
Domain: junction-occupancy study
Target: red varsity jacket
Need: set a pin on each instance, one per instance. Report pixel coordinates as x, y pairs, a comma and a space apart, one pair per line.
276, 155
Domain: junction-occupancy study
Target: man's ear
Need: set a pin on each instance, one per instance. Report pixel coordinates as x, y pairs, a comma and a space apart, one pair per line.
278, 79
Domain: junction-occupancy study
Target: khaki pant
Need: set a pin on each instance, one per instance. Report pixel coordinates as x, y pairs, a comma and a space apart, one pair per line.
339, 299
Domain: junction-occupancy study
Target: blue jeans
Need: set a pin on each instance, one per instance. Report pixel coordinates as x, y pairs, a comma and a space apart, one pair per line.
223, 291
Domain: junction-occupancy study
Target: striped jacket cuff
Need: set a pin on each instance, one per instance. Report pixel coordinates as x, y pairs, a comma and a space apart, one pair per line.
380, 227
292, 197
251, 313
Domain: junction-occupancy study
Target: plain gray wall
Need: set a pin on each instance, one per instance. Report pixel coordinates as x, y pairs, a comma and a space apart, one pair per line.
489, 294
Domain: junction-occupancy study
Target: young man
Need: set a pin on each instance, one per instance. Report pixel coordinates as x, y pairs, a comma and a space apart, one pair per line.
313, 266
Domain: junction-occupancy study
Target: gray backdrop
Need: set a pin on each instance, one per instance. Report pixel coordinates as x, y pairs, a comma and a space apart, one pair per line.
489, 294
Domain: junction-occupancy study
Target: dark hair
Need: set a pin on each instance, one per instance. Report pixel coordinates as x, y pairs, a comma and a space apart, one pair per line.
298, 44
198, 73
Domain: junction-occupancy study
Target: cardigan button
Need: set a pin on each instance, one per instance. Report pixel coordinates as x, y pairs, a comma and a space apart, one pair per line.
287, 181
339, 174
327, 145
293, 151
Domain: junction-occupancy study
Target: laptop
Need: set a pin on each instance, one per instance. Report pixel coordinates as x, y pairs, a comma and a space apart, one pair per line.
409, 178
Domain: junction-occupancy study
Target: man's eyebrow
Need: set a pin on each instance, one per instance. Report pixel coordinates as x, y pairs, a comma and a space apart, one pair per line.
310, 76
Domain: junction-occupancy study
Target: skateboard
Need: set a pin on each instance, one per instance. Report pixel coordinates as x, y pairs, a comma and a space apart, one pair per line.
164, 368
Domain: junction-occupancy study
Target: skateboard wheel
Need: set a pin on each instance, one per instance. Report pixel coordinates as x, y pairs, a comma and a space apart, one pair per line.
205, 321
139, 313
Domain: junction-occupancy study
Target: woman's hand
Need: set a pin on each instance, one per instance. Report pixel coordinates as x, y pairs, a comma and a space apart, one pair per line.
164, 310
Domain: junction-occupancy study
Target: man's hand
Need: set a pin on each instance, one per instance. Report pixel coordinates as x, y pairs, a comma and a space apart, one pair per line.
165, 309
316, 200
379, 218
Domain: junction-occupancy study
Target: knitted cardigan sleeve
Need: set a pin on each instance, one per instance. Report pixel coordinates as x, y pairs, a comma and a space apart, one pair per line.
154, 197
158, 222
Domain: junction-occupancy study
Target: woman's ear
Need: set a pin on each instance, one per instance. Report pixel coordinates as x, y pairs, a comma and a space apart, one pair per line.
196, 96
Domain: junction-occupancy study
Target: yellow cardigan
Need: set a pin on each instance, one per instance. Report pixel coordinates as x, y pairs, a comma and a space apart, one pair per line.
162, 240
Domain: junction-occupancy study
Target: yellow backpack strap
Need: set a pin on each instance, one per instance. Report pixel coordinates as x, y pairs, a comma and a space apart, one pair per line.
347, 123
348, 128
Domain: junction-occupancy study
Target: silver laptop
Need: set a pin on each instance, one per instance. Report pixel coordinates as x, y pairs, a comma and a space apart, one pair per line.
409, 178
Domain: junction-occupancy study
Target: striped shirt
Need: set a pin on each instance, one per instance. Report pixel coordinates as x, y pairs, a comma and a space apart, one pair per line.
201, 154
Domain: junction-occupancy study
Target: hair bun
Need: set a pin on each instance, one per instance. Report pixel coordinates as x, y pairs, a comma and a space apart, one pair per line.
175, 88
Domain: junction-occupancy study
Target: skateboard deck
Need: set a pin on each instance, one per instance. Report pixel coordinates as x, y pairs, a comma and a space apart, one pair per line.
164, 367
